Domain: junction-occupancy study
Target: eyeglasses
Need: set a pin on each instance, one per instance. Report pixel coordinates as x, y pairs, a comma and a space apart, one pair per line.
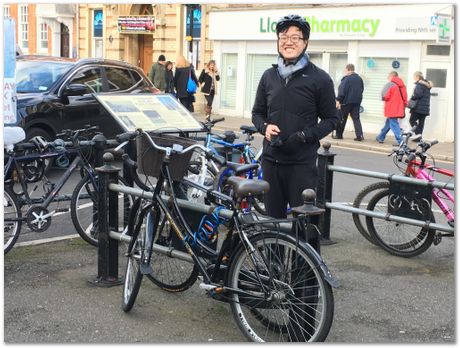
294, 38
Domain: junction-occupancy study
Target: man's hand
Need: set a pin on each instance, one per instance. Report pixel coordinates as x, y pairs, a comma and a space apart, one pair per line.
337, 104
272, 129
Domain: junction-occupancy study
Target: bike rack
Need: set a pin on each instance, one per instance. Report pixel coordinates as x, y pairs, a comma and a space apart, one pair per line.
326, 168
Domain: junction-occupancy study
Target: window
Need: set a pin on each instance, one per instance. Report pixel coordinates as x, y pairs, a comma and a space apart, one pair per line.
98, 25
119, 79
438, 50
256, 66
317, 59
437, 76
6, 11
91, 78
24, 26
228, 78
43, 36
337, 64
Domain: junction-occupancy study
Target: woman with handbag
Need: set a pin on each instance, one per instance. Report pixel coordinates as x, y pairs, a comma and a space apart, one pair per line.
419, 104
185, 82
208, 80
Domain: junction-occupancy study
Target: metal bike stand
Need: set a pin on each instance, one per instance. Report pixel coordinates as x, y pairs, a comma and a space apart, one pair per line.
107, 273
324, 192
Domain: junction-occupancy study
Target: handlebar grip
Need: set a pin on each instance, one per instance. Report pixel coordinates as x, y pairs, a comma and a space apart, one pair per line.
24, 146
434, 142
121, 138
216, 120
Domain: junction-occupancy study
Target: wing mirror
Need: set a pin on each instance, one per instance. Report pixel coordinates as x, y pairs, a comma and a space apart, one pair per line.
75, 89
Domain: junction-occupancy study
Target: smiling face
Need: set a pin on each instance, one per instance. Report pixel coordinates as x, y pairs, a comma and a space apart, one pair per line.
291, 43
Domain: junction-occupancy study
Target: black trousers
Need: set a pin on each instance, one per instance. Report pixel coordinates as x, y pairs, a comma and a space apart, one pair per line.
287, 181
209, 98
419, 120
353, 110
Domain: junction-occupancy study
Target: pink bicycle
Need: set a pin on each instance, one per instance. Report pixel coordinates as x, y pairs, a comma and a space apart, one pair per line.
404, 239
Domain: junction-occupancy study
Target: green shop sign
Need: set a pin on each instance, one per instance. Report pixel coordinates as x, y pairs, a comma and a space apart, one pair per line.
367, 25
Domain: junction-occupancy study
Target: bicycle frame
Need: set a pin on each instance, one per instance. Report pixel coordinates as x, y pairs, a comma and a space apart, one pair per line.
419, 170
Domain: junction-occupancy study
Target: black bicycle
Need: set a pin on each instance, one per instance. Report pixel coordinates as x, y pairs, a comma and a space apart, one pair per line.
27, 164
277, 285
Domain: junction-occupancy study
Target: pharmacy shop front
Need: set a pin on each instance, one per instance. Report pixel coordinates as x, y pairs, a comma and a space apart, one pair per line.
376, 39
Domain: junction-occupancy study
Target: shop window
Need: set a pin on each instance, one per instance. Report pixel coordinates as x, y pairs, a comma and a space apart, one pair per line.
193, 21
437, 76
118, 79
256, 66
98, 25
374, 72
438, 50
317, 59
228, 77
337, 64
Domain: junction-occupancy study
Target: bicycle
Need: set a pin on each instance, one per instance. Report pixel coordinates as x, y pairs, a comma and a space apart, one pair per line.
26, 164
401, 239
263, 273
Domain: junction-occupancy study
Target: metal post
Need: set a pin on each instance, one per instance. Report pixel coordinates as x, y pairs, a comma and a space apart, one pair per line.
324, 191
107, 272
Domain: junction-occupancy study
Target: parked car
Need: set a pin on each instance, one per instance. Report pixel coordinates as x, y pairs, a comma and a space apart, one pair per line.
57, 93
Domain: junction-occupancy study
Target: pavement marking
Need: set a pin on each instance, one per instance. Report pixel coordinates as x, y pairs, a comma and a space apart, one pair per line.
46, 240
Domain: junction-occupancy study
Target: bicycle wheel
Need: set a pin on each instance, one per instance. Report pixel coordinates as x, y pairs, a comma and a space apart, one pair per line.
133, 275
394, 237
361, 200
281, 293
169, 273
11, 219
83, 209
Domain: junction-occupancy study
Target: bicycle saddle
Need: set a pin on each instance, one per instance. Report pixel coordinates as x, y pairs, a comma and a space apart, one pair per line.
247, 187
249, 129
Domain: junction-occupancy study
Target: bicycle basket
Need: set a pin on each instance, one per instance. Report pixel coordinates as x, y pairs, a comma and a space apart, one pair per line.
149, 159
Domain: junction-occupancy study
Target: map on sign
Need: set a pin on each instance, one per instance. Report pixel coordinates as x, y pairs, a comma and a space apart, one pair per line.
150, 112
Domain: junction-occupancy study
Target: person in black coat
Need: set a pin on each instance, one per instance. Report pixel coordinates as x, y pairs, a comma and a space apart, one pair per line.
294, 108
208, 78
348, 101
421, 95
169, 77
184, 70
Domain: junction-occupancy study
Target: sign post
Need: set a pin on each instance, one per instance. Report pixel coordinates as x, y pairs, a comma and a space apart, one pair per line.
9, 72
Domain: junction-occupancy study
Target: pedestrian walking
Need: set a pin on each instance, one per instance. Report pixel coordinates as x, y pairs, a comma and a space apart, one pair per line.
184, 71
348, 101
157, 73
208, 79
169, 78
419, 104
394, 95
291, 97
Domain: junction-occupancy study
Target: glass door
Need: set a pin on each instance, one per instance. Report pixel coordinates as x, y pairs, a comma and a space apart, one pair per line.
228, 77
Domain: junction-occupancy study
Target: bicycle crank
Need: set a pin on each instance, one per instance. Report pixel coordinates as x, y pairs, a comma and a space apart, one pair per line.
39, 219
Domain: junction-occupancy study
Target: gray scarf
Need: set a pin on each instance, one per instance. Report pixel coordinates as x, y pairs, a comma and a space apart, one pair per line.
286, 71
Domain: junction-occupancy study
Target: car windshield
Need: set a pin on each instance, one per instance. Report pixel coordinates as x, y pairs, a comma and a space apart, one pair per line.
38, 76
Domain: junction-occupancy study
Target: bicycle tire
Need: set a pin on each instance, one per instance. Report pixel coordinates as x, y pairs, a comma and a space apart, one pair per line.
83, 214
358, 202
418, 239
276, 317
133, 276
169, 273
11, 219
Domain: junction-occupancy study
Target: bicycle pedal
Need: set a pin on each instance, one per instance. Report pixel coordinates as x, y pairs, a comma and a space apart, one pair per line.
207, 287
437, 238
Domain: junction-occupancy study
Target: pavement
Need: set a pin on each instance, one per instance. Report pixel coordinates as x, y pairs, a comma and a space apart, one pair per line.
442, 151
49, 296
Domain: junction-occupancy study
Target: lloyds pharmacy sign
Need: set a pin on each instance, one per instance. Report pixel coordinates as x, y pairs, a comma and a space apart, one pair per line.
366, 26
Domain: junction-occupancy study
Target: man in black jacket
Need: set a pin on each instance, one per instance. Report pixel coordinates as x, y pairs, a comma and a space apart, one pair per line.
290, 98
349, 97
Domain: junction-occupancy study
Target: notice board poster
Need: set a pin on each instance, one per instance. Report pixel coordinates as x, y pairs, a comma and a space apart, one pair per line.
149, 112
136, 24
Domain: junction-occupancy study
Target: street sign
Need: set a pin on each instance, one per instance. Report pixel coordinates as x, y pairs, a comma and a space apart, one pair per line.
444, 29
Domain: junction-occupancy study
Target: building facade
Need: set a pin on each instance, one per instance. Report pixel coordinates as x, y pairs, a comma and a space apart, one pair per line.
47, 29
375, 38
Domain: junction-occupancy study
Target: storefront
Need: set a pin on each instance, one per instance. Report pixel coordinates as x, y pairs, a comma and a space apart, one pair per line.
377, 39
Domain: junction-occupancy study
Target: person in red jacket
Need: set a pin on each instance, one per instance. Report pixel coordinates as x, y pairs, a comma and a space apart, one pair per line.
394, 95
